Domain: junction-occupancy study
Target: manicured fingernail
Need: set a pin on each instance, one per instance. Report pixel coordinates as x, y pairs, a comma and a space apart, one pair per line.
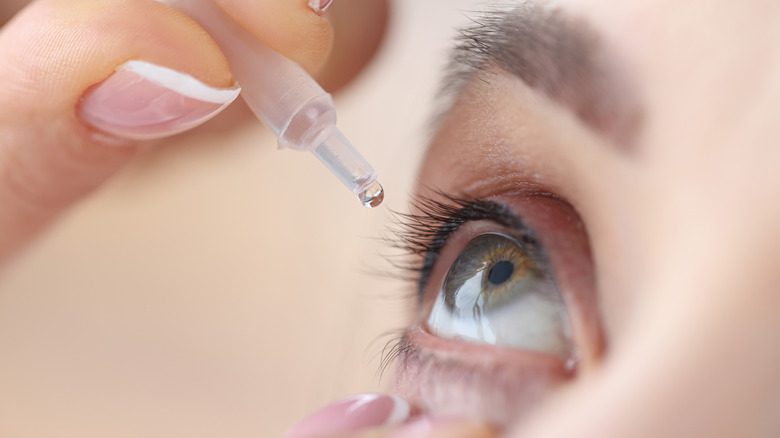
353, 414
320, 6
143, 101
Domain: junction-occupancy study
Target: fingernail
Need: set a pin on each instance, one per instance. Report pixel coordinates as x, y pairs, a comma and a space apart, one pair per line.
144, 101
320, 6
353, 414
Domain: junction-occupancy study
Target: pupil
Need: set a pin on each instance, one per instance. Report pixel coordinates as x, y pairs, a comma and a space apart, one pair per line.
501, 272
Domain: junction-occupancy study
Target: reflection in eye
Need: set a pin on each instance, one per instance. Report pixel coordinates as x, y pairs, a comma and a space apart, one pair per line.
496, 293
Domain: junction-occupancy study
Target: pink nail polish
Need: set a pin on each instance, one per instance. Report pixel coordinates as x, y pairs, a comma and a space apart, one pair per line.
352, 414
144, 101
320, 6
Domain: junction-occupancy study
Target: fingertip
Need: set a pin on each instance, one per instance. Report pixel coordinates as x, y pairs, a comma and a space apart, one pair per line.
57, 54
359, 30
444, 428
55, 50
291, 27
144, 101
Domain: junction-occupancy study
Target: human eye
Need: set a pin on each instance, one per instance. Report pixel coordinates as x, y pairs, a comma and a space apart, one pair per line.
505, 305
499, 291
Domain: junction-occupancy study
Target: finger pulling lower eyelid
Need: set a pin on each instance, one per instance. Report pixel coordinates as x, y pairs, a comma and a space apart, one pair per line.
351, 415
431, 428
380, 416
425, 428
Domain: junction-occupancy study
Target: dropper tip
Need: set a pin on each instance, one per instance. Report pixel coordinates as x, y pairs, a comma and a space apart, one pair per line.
372, 196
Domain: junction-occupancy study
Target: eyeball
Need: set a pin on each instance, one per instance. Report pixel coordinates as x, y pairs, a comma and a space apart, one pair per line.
498, 292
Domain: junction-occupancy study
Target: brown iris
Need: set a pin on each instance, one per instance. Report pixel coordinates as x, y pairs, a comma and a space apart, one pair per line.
492, 270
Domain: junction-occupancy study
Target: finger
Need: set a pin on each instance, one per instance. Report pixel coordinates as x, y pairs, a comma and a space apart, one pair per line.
51, 54
449, 429
334, 46
425, 428
296, 31
81, 77
359, 27
10, 7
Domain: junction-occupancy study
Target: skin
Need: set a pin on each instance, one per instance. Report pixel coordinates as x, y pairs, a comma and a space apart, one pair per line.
681, 226
52, 51
681, 229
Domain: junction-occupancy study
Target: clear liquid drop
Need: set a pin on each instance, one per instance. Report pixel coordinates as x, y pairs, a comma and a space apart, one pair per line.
372, 196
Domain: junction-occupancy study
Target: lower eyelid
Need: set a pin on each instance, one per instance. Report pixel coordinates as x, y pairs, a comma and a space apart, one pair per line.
444, 378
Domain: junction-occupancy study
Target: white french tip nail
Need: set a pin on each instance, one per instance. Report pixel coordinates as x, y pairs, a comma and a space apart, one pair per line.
145, 101
182, 83
400, 412
320, 6
353, 414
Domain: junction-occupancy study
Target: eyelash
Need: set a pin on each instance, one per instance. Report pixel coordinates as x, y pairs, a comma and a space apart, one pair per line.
425, 234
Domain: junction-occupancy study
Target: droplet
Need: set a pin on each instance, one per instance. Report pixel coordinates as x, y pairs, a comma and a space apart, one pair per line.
372, 196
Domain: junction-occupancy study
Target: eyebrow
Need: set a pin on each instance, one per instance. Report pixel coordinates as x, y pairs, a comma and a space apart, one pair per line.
555, 54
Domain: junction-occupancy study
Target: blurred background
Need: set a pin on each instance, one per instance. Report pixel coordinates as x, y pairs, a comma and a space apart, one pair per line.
218, 287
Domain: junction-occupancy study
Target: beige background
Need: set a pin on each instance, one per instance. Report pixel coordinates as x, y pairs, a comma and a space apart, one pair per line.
219, 287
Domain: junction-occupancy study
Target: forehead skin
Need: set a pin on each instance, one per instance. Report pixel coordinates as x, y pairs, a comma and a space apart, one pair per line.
684, 230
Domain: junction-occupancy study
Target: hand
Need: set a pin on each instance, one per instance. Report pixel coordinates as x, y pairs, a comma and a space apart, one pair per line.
376, 415
456, 429
423, 429
54, 53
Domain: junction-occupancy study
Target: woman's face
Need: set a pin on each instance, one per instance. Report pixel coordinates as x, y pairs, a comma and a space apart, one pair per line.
627, 152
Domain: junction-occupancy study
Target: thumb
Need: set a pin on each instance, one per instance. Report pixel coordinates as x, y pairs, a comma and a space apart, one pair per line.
83, 82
